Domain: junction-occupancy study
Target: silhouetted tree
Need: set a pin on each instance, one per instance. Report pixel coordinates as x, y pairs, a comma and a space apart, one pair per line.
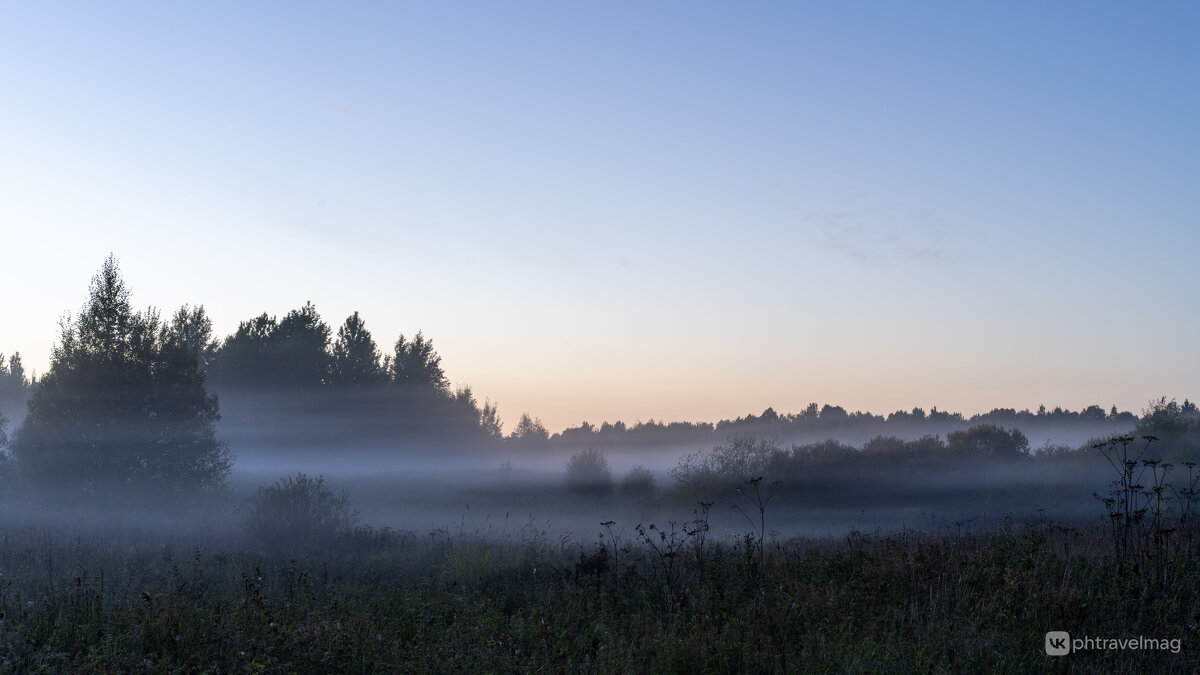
802, 459
926, 447
12, 374
941, 416
1176, 427
467, 414
7, 465
638, 483
1189, 411
886, 448
123, 406
264, 353
192, 328
14, 386
988, 440
415, 362
833, 414
356, 359
1163, 418
489, 420
611, 428
530, 430
588, 473
301, 346
244, 358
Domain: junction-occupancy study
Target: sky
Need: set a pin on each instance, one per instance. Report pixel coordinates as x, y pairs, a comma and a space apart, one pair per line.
602, 211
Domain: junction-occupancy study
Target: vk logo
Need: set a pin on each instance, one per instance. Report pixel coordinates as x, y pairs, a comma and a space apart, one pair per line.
1058, 643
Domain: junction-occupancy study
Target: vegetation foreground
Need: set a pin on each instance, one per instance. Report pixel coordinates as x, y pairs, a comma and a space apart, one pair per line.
656, 600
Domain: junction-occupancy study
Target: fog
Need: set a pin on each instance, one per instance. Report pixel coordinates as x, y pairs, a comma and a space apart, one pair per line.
422, 471
149, 422
280, 510
433, 491
427, 487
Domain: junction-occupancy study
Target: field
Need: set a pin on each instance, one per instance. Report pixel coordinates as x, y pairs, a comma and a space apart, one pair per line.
109, 594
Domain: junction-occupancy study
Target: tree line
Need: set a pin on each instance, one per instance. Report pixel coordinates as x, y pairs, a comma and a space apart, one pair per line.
131, 399
129, 403
1172, 429
299, 354
825, 421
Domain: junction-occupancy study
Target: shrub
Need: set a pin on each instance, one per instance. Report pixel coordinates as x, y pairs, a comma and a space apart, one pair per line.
298, 511
891, 453
725, 466
987, 440
802, 459
925, 448
1177, 428
638, 483
588, 473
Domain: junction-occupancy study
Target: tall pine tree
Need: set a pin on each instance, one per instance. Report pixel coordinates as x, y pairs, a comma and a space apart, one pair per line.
123, 408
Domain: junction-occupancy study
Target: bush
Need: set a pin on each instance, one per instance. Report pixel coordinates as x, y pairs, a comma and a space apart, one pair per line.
588, 473
801, 460
298, 511
987, 441
1177, 428
725, 466
638, 483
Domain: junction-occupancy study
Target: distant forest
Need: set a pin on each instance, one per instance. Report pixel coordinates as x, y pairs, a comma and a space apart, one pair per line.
295, 383
270, 365
831, 421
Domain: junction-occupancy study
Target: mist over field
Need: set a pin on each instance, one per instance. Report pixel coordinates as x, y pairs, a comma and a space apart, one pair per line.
111, 425
663, 337
323, 494
287, 452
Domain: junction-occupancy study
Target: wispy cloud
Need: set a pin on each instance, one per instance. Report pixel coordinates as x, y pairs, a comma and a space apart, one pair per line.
884, 247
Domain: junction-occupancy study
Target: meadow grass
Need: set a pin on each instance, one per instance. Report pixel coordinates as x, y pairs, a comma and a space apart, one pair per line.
673, 598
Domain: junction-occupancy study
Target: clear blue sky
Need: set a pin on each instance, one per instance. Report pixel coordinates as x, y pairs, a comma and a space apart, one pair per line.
633, 210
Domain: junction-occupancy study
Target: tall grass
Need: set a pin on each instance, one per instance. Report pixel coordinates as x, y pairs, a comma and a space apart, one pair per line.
676, 600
